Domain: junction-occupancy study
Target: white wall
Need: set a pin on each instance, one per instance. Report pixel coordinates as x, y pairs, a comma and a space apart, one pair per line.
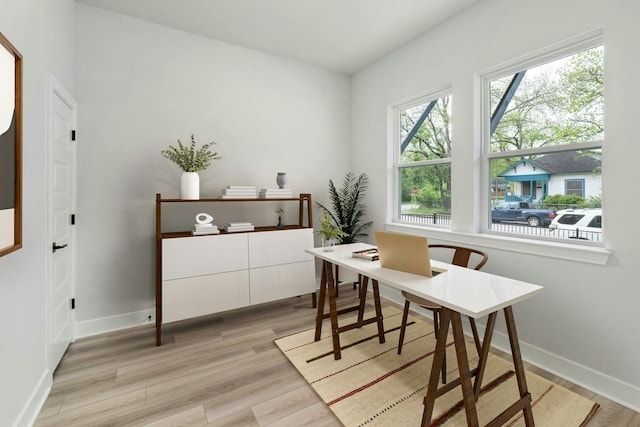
43, 32
585, 324
142, 86
592, 184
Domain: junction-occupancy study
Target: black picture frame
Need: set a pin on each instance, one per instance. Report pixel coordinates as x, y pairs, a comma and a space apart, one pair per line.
10, 147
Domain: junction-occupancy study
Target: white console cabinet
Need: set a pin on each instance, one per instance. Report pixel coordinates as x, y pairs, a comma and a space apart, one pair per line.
279, 267
200, 275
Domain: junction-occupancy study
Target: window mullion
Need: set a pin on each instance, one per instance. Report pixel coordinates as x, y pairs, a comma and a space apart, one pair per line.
590, 145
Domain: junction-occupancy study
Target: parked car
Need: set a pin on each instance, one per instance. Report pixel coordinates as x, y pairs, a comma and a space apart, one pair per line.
583, 224
521, 212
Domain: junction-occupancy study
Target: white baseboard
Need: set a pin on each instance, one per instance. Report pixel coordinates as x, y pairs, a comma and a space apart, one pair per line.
35, 402
605, 385
91, 327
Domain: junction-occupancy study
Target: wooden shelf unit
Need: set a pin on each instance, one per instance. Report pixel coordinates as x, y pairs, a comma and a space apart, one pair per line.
289, 266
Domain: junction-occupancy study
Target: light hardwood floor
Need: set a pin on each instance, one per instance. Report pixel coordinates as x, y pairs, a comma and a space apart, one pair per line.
220, 370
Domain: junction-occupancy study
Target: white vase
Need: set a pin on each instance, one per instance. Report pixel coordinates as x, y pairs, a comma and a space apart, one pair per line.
190, 186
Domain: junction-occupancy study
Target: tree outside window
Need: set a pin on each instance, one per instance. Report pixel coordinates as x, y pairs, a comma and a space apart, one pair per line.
424, 164
546, 129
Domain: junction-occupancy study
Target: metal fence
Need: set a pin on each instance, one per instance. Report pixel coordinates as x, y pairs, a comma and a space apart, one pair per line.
577, 234
433, 218
505, 227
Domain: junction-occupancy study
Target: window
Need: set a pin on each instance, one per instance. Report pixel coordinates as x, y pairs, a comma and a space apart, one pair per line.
574, 187
570, 219
544, 122
422, 160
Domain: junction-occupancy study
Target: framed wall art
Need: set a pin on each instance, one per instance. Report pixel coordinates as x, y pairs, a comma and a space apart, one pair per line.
10, 147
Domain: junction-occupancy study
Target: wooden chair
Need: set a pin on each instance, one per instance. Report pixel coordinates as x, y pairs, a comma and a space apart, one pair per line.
461, 257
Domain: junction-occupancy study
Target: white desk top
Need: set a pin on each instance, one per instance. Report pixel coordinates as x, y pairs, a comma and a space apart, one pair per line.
467, 291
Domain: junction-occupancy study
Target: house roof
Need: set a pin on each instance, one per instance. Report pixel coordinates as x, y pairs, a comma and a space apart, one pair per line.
567, 162
523, 162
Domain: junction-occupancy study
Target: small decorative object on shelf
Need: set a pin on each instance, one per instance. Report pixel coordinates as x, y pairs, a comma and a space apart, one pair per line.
204, 225
280, 212
191, 161
281, 179
234, 227
370, 254
203, 218
275, 193
329, 233
239, 192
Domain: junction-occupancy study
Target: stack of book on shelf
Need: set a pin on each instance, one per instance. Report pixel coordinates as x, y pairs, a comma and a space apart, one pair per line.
275, 193
239, 192
239, 226
202, 229
370, 254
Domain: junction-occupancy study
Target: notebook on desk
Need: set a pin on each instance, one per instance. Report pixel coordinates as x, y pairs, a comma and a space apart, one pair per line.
406, 253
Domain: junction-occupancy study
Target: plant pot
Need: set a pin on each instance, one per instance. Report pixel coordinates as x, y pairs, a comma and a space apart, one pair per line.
328, 245
190, 186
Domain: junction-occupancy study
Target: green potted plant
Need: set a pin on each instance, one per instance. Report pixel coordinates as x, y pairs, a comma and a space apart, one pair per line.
330, 233
348, 208
191, 161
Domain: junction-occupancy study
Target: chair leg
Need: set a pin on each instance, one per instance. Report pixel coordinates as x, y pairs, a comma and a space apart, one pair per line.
476, 337
403, 326
436, 327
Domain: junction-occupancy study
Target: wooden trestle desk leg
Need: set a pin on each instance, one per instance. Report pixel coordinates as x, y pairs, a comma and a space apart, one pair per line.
376, 300
364, 283
321, 298
484, 353
327, 286
468, 396
469, 393
436, 367
525, 397
333, 310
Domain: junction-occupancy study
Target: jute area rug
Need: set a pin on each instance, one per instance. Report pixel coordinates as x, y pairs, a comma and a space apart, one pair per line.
374, 386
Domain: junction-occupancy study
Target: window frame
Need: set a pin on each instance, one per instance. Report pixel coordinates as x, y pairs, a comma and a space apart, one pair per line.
582, 182
397, 165
470, 233
557, 51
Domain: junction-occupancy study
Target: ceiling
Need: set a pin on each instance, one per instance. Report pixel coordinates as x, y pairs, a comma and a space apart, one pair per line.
340, 35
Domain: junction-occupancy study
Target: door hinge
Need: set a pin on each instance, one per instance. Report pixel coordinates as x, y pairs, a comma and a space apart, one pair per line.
73, 135
73, 219
73, 303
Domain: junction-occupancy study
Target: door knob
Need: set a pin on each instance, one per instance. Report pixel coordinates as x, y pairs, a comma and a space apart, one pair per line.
56, 247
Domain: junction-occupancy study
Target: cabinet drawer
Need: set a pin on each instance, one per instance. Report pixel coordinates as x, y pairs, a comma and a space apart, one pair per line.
279, 247
197, 296
197, 256
282, 281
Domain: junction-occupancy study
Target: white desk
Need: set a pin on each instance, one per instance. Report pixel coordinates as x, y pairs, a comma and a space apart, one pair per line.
460, 291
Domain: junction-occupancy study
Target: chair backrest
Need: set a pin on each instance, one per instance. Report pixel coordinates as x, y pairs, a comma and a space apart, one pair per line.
462, 256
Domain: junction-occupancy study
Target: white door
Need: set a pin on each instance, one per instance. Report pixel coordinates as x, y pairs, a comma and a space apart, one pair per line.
62, 202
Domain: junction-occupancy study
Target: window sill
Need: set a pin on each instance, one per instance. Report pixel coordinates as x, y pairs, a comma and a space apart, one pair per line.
549, 249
